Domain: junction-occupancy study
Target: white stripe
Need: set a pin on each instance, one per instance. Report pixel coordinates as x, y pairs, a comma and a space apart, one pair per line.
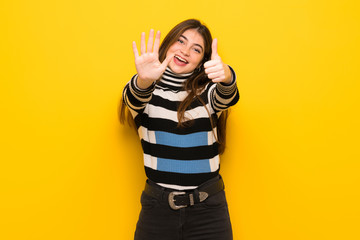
175, 79
171, 73
210, 100
152, 137
177, 187
214, 163
171, 83
223, 100
220, 106
142, 133
135, 82
133, 113
171, 95
226, 90
212, 136
160, 112
139, 97
150, 161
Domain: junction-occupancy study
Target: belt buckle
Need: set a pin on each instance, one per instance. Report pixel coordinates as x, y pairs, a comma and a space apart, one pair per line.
172, 200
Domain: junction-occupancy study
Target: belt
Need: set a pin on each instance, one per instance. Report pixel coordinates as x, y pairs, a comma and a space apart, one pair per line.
181, 199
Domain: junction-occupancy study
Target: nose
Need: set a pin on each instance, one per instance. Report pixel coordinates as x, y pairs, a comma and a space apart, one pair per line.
186, 51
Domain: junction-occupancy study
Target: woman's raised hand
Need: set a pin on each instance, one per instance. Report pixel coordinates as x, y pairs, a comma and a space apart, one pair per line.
215, 69
148, 66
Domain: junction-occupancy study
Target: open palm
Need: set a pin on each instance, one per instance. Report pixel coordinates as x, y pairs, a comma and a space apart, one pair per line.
148, 66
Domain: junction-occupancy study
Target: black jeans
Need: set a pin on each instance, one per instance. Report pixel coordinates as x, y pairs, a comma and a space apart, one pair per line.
208, 220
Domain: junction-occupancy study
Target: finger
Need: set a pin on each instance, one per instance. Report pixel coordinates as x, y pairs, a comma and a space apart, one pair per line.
211, 63
136, 53
142, 44
157, 42
219, 79
214, 46
151, 40
213, 69
167, 60
216, 75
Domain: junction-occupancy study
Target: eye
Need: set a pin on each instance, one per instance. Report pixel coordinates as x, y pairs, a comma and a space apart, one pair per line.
197, 50
180, 41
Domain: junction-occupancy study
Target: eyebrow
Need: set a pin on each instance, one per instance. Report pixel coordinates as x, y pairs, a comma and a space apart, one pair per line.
194, 43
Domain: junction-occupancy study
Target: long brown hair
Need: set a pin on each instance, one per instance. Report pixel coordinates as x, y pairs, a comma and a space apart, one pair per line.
194, 84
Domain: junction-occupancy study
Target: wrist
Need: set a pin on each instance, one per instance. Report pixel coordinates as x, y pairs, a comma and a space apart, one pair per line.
143, 84
228, 75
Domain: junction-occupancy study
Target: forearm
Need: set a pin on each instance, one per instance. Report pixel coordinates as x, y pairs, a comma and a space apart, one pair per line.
135, 97
142, 84
225, 95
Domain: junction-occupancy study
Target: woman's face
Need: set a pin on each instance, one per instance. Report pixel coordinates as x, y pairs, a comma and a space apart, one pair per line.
188, 50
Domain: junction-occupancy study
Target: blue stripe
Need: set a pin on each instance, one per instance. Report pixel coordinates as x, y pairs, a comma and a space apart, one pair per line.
177, 140
183, 166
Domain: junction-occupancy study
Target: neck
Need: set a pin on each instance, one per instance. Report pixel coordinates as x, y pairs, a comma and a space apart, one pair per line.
168, 69
173, 80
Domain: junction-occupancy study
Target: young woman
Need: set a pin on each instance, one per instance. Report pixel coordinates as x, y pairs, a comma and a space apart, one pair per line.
178, 101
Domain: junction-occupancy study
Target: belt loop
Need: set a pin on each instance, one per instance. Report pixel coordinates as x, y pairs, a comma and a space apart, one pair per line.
196, 195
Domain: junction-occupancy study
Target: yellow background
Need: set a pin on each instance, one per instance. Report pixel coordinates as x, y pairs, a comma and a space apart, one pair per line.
69, 170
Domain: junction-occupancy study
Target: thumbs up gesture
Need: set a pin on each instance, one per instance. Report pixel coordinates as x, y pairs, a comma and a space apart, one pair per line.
215, 69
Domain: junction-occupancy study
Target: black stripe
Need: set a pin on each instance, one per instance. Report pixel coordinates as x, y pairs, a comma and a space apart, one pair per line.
132, 100
222, 95
233, 101
181, 179
219, 104
172, 81
162, 84
157, 100
169, 74
216, 102
159, 124
191, 153
144, 92
166, 88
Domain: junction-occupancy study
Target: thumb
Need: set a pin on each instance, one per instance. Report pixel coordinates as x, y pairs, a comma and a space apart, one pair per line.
167, 60
214, 46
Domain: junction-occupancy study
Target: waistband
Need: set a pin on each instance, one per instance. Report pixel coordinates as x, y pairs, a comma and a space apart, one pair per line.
181, 199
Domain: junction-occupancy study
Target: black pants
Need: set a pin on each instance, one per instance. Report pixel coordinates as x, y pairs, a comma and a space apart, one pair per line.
208, 220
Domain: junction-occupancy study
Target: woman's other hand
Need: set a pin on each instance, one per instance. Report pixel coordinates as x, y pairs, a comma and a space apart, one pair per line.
215, 69
148, 66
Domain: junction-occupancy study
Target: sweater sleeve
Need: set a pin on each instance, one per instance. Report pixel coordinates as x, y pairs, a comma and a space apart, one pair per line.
136, 98
222, 96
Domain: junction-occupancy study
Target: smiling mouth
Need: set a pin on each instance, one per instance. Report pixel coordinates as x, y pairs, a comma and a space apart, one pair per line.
181, 59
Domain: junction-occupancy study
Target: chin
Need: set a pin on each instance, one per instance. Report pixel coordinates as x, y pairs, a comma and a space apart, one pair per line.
180, 70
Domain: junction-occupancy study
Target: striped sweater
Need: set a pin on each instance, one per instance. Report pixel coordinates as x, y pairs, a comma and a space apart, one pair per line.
178, 158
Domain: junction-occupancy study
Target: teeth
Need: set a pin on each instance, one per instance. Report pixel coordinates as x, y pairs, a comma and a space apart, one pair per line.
181, 59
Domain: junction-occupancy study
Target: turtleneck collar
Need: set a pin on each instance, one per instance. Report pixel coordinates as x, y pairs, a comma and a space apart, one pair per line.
173, 80
180, 75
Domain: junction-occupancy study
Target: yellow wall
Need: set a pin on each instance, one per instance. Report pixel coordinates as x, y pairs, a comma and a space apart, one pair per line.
68, 170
